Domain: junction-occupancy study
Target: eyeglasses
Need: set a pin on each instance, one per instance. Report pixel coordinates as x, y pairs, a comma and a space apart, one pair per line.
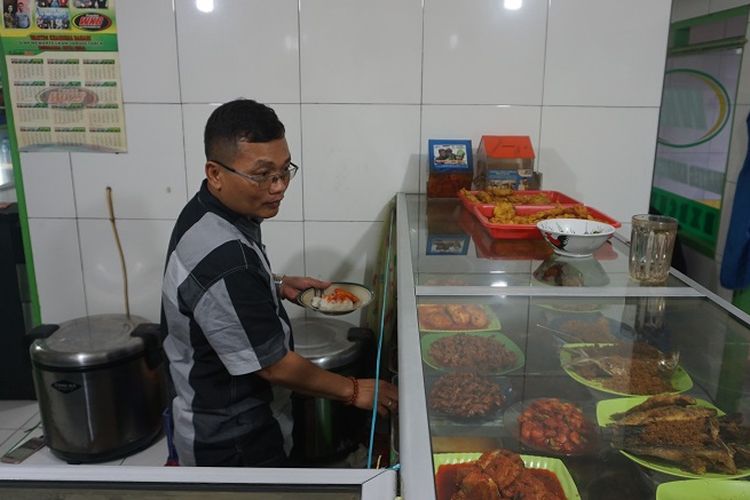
264, 181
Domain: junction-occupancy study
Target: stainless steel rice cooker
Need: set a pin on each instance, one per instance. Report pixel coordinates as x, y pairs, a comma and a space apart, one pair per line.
326, 430
100, 381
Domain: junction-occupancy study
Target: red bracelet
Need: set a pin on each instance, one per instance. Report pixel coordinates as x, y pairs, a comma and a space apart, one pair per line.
355, 392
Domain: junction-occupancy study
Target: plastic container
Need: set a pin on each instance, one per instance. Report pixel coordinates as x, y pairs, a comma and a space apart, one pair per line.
506, 160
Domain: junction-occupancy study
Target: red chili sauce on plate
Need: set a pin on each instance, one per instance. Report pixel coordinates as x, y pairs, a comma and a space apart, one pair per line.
446, 484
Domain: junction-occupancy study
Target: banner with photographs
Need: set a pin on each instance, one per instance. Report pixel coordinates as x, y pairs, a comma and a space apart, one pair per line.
63, 75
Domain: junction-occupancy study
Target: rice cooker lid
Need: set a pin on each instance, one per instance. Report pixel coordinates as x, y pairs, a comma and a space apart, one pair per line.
325, 343
89, 341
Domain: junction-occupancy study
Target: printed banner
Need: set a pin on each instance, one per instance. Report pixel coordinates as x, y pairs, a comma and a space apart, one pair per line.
64, 75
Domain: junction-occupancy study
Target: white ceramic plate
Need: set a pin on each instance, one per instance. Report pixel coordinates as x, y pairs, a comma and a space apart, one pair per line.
363, 293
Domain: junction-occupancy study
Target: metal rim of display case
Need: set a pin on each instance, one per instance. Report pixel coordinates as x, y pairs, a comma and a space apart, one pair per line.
417, 478
376, 484
416, 471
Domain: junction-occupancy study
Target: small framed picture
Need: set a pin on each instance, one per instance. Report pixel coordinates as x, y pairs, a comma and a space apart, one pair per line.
447, 244
450, 155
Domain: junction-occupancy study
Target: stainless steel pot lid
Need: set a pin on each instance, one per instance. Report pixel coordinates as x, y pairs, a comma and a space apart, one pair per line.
323, 341
89, 341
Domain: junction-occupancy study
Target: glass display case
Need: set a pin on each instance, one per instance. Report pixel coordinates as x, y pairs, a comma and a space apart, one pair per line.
504, 345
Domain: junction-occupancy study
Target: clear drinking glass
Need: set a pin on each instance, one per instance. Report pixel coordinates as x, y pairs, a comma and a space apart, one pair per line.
651, 244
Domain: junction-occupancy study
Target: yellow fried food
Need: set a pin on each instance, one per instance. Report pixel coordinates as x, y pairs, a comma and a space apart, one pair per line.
478, 317
459, 315
504, 194
504, 213
452, 316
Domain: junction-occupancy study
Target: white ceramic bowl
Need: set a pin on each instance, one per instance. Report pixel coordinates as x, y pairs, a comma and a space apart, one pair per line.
575, 237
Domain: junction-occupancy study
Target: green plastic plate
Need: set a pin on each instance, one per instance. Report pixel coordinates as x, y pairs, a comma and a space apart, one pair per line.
604, 411
429, 339
492, 326
703, 489
681, 381
553, 465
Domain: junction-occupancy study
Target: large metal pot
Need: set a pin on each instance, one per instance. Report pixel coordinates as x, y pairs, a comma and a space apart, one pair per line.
326, 430
100, 384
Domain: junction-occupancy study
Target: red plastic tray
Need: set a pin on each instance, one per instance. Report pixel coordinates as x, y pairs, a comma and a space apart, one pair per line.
511, 249
519, 231
554, 196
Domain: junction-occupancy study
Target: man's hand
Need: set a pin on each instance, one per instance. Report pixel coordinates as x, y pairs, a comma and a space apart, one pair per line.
387, 396
291, 286
299, 374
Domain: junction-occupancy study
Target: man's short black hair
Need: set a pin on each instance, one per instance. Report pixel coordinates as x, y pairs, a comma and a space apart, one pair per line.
241, 120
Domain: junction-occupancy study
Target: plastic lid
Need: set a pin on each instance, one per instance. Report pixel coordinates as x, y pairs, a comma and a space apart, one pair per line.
89, 341
508, 146
324, 342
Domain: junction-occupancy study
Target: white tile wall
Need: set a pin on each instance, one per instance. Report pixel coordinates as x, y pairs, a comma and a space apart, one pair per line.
149, 180
48, 184
342, 251
57, 264
591, 154
244, 48
583, 69
361, 87
285, 244
472, 122
148, 51
356, 158
482, 53
359, 51
144, 244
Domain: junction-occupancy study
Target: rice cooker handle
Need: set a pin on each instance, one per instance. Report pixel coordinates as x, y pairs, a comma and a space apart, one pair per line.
357, 334
41, 332
150, 333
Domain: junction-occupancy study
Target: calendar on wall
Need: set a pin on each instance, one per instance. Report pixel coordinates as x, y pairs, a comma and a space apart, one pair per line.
63, 75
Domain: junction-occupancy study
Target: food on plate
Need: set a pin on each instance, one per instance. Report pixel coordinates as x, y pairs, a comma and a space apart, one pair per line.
597, 330
554, 425
570, 306
495, 194
737, 437
452, 317
337, 300
465, 395
630, 368
559, 274
460, 350
496, 474
505, 213
675, 428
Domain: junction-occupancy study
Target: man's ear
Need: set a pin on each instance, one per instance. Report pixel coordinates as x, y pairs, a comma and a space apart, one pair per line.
213, 174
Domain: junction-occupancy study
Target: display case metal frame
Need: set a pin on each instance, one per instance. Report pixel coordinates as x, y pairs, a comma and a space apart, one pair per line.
416, 475
374, 484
